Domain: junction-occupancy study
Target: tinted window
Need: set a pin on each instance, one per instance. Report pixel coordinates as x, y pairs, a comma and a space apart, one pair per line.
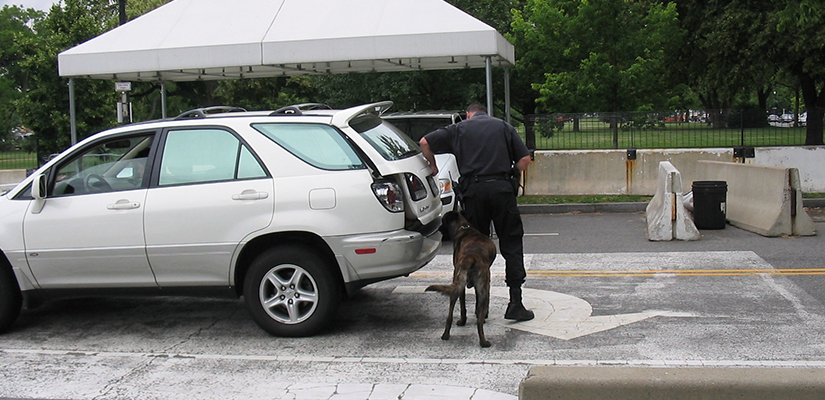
387, 139
316, 144
416, 128
206, 155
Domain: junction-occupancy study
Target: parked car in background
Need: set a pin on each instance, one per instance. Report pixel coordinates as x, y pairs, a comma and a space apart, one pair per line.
290, 209
416, 125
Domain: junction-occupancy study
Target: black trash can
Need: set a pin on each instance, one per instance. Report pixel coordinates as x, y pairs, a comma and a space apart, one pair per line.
709, 208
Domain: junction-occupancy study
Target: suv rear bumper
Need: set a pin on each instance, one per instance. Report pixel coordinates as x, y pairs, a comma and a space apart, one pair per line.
378, 256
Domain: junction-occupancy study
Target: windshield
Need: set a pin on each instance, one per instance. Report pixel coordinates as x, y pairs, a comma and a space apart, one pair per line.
387, 139
416, 128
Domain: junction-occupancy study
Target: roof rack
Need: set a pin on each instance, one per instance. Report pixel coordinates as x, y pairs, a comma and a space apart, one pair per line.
297, 109
203, 112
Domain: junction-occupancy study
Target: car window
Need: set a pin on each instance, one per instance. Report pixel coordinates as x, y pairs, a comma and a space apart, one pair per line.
387, 139
319, 145
416, 128
206, 155
109, 165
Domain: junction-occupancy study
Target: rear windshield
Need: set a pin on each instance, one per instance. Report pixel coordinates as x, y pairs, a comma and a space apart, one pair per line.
385, 138
416, 128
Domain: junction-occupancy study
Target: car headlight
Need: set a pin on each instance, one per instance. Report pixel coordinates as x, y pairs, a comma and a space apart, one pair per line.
445, 185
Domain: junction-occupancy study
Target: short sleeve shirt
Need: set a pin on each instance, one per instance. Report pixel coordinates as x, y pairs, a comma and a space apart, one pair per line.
482, 145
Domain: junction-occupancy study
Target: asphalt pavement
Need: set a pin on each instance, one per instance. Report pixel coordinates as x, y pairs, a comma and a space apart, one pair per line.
603, 294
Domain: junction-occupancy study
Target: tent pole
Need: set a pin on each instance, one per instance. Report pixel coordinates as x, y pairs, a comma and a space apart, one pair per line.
507, 94
163, 100
489, 70
72, 114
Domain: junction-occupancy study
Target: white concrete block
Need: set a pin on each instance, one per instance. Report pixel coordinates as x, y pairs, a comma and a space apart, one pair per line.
763, 199
667, 218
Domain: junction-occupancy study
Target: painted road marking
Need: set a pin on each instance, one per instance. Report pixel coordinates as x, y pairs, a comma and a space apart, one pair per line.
559, 315
567, 317
706, 272
713, 263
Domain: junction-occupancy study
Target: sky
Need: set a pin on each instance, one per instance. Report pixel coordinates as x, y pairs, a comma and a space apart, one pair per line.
43, 5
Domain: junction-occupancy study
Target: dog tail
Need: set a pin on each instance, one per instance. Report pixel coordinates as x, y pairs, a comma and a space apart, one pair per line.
453, 289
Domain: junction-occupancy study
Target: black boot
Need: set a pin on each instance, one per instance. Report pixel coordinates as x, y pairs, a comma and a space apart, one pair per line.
516, 310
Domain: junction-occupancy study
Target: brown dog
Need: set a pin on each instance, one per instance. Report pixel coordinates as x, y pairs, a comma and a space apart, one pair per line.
473, 254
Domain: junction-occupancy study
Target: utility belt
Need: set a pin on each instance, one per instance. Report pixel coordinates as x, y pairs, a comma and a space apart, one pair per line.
503, 176
465, 181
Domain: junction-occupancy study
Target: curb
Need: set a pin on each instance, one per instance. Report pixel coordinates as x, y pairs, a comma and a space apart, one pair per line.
583, 208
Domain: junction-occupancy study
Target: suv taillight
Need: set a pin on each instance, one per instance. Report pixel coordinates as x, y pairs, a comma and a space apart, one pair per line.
417, 189
390, 195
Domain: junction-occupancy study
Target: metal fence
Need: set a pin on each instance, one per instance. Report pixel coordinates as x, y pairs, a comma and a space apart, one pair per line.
671, 129
18, 154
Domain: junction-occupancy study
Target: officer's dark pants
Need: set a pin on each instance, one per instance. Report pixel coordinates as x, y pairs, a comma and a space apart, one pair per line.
495, 201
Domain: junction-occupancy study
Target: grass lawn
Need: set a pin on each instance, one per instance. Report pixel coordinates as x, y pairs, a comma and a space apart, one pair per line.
17, 160
532, 199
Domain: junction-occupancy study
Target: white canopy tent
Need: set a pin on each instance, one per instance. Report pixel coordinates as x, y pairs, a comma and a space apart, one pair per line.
187, 40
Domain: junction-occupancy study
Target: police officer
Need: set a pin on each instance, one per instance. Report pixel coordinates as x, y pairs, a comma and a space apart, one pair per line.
486, 149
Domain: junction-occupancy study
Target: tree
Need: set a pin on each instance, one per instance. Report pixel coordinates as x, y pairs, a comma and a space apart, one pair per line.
15, 23
801, 24
730, 52
599, 55
44, 109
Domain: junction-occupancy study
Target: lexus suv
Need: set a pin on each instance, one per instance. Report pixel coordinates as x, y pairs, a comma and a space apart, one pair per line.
291, 209
419, 123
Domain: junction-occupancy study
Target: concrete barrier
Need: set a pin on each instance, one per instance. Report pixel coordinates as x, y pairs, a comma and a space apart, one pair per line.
575, 172
592, 172
9, 176
666, 216
762, 199
688, 383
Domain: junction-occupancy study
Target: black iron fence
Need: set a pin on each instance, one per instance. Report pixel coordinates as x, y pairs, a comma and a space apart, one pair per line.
18, 153
672, 129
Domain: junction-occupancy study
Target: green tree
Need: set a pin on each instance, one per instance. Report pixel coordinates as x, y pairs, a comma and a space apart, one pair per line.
600, 55
266, 93
730, 52
15, 23
801, 25
45, 107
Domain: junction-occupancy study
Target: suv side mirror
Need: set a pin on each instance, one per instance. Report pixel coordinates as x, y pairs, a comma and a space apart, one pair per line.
39, 193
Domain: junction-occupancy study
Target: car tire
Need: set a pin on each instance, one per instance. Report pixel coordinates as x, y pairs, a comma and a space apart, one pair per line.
11, 300
291, 291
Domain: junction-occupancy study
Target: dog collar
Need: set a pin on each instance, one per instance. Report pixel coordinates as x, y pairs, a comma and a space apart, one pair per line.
463, 227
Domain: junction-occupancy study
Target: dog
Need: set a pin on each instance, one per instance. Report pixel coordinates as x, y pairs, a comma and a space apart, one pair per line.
473, 254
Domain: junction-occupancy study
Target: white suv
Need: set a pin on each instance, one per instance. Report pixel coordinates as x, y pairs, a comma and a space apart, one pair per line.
419, 123
290, 209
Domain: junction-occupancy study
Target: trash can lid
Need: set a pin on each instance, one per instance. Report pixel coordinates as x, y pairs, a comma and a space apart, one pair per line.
707, 184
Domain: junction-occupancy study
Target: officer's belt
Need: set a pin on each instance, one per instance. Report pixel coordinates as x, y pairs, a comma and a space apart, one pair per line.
502, 176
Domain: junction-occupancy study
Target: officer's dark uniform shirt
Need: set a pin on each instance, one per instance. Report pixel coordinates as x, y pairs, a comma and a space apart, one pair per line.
480, 145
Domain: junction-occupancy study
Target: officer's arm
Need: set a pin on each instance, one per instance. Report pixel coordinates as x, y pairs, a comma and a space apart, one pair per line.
428, 154
524, 162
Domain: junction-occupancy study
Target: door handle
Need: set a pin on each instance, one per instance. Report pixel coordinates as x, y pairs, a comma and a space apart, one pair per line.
250, 194
123, 204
